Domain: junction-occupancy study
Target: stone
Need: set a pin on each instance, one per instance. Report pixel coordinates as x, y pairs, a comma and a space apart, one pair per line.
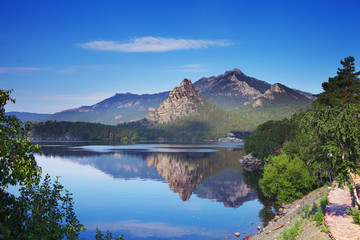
250, 163
258, 228
182, 101
237, 234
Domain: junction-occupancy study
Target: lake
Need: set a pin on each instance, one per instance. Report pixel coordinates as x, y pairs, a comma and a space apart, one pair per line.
159, 191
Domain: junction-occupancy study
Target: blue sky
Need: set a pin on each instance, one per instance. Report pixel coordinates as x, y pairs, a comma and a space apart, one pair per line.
63, 54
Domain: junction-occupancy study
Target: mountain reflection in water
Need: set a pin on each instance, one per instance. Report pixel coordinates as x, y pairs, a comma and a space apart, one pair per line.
194, 172
214, 174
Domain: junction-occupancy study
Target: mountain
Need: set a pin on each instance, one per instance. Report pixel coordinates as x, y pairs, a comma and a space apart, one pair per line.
278, 94
186, 116
182, 100
306, 94
122, 107
276, 103
231, 89
32, 117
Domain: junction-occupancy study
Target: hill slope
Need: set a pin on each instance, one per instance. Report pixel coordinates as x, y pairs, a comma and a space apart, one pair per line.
275, 104
31, 117
122, 107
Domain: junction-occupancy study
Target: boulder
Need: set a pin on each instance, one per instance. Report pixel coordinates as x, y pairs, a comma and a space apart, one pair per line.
250, 163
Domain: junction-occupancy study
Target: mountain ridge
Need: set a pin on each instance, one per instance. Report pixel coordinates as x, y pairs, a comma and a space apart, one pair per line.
229, 90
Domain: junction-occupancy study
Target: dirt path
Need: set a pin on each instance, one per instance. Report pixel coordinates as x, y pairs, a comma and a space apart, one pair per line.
340, 223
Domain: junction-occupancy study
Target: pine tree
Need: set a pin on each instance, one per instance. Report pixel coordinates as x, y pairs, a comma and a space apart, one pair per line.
343, 88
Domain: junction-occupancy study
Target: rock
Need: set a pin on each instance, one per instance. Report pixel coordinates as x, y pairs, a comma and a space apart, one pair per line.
276, 218
237, 234
182, 101
250, 163
230, 138
258, 228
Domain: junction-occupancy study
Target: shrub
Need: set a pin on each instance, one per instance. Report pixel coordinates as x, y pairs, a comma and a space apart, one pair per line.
285, 178
355, 213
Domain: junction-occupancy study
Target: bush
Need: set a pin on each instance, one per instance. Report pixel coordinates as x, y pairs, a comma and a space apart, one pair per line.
293, 231
355, 213
285, 178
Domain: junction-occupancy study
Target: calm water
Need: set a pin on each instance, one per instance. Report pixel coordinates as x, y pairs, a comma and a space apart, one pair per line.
158, 191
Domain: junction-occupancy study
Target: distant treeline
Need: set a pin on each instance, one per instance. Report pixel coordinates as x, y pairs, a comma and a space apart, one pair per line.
63, 130
209, 126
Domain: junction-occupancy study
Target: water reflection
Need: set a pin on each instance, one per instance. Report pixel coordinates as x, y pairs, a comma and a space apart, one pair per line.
228, 187
202, 172
208, 171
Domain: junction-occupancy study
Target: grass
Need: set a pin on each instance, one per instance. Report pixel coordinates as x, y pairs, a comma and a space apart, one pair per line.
291, 232
355, 214
317, 212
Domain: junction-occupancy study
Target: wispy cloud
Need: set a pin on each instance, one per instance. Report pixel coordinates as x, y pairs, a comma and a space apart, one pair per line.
18, 69
189, 68
68, 71
153, 44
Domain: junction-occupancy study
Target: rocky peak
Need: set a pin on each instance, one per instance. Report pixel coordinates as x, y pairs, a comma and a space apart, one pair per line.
277, 92
278, 88
182, 100
231, 89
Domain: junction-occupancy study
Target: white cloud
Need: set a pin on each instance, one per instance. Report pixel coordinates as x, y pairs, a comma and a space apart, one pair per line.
18, 69
153, 44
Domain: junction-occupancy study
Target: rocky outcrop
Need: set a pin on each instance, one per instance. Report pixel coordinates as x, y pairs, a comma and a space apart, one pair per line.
250, 163
230, 138
182, 101
278, 94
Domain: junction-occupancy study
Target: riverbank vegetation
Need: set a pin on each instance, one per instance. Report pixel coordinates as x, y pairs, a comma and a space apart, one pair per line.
323, 142
42, 208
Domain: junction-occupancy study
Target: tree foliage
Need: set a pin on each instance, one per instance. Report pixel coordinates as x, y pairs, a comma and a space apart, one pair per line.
285, 178
326, 140
343, 88
329, 141
42, 211
17, 163
268, 138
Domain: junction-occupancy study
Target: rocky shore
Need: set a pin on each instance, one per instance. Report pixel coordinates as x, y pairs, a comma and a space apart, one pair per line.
230, 138
288, 216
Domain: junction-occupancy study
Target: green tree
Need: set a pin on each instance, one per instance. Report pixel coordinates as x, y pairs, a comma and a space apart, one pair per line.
268, 138
17, 163
42, 211
285, 178
343, 88
329, 141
